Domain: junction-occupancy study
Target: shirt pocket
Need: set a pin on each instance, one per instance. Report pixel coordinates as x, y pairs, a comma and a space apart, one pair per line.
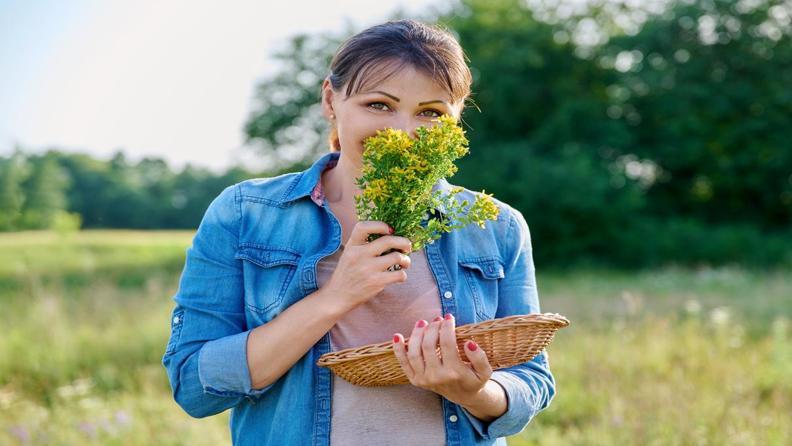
177, 321
267, 275
482, 275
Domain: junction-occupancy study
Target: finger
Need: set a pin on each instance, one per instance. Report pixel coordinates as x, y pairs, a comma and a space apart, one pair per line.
448, 343
400, 350
389, 243
391, 277
478, 360
363, 229
429, 345
395, 258
414, 354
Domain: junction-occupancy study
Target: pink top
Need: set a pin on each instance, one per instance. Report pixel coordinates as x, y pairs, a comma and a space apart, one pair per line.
392, 415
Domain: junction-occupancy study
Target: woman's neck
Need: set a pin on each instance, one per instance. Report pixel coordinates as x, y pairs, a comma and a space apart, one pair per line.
339, 183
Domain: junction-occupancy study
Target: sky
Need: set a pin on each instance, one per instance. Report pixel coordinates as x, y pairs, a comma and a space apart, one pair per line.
171, 79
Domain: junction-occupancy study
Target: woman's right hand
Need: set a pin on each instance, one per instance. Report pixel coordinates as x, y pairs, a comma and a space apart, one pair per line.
362, 272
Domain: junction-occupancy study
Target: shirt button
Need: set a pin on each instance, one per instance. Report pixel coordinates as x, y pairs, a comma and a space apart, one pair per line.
175, 319
448, 294
453, 418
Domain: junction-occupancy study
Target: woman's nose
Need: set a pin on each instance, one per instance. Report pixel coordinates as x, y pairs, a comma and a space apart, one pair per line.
408, 125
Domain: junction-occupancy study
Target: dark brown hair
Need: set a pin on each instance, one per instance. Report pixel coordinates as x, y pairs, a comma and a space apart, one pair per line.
368, 58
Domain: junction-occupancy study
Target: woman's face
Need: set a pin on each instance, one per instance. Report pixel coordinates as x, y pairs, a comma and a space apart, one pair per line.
405, 101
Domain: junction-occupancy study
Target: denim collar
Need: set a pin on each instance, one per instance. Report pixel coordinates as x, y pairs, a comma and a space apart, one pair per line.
303, 184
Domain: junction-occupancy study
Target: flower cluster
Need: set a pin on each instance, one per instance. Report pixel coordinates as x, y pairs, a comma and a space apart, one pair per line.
397, 178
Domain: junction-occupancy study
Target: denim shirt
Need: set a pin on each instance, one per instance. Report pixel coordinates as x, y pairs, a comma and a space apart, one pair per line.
255, 254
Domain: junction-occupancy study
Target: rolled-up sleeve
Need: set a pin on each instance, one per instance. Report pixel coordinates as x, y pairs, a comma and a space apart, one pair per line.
529, 386
206, 356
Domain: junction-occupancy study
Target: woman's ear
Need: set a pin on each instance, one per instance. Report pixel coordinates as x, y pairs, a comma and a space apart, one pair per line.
327, 100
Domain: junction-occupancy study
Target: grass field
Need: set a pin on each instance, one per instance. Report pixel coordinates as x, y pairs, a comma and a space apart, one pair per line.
666, 357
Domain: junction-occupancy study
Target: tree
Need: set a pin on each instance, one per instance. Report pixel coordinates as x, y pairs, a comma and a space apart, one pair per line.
705, 90
12, 172
45, 192
286, 122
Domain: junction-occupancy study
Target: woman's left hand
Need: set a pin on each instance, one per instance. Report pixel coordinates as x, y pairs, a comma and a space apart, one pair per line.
442, 373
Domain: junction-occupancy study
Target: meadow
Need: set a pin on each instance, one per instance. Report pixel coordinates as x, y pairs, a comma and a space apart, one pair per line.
676, 356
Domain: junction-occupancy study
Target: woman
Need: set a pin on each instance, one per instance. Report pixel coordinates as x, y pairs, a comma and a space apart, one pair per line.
280, 272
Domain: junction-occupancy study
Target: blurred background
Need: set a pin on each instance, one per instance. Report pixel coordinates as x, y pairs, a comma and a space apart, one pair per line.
646, 142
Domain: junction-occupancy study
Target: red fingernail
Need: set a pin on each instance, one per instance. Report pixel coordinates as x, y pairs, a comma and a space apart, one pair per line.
421, 324
391, 229
448, 316
396, 338
437, 319
472, 346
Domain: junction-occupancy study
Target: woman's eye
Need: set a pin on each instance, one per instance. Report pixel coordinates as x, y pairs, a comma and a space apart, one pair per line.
375, 104
437, 113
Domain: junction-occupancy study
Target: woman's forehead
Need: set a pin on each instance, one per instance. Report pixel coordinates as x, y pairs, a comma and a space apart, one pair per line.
384, 75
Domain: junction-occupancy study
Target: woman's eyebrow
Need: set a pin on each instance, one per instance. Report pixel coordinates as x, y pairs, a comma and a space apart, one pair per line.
398, 100
432, 102
386, 94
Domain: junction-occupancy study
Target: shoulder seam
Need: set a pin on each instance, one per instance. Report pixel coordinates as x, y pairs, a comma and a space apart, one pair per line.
294, 183
238, 200
257, 196
512, 220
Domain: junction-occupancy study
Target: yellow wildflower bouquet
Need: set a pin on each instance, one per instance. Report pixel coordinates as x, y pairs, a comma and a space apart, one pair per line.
397, 177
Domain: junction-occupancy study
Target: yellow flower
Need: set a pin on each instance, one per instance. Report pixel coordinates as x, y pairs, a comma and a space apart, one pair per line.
376, 190
398, 174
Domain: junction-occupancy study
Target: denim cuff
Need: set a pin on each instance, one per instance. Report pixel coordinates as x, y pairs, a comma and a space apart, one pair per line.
519, 408
223, 367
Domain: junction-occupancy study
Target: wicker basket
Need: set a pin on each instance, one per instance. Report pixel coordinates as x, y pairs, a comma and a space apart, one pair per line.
508, 341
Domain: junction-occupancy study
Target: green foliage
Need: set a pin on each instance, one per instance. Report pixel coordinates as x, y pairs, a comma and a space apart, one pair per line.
589, 210
66, 222
67, 191
658, 146
397, 178
688, 241
45, 195
11, 194
705, 92
286, 120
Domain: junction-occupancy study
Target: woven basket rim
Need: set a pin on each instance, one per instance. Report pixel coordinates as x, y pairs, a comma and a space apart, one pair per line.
467, 330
